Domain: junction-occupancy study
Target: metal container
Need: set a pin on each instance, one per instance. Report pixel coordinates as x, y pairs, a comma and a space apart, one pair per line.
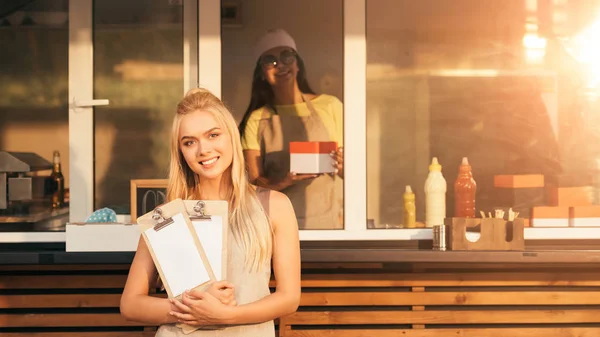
15, 185
439, 237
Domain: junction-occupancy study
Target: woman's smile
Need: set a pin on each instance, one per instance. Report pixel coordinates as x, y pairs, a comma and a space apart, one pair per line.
283, 73
209, 163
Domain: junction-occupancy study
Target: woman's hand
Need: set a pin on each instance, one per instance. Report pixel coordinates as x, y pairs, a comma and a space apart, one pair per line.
293, 177
223, 291
201, 308
338, 161
259, 177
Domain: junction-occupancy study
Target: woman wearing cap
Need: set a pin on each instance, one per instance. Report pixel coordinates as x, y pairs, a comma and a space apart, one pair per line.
283, 108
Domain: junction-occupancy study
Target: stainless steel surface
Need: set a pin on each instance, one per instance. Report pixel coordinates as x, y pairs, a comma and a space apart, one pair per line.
39, 219
39, 187
15, 187
22, 162
35, 214
439, 237
20, 189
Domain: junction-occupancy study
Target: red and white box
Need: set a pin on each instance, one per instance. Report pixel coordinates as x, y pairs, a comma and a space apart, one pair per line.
585, 216
550, 216
312, 157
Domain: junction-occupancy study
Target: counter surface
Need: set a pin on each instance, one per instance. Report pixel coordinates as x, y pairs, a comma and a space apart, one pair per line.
337, 255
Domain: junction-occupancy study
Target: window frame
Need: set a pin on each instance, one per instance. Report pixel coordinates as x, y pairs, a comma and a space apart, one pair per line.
202, 67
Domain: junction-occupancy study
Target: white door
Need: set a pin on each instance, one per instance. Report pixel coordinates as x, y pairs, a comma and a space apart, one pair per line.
129, 64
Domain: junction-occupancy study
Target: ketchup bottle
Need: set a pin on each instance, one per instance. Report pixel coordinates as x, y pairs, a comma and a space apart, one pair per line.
465, 189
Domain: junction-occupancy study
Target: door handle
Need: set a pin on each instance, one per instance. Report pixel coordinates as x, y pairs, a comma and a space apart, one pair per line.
89, 103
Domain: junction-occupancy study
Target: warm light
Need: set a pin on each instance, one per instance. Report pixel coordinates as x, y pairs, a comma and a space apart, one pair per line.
533, 41
585, 47
535, 47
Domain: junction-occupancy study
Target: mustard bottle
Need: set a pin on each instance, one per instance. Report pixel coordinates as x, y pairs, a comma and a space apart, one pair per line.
409, 209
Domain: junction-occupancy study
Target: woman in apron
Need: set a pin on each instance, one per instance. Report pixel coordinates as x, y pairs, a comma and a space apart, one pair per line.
282, 109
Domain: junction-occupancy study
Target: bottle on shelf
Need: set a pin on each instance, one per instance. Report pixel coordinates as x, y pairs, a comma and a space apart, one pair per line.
435, 195
58, 181
409, 209
465, 189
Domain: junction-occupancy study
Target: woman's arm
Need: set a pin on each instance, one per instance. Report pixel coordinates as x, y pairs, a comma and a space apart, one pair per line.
257, 176
136, 304
286, 267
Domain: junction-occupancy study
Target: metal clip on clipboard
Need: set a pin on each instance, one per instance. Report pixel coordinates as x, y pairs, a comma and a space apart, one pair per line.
200, 210
157, 215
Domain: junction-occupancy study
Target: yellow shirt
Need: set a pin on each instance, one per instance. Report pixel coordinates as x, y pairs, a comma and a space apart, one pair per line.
329, 108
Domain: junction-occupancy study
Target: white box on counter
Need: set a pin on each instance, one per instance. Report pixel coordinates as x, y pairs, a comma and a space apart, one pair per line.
102, 237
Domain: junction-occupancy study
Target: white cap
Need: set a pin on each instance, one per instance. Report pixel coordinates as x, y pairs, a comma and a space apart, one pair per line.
273, 38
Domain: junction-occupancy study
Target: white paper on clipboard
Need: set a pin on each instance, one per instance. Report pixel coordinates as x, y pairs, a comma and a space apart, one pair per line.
177, 254
210, 234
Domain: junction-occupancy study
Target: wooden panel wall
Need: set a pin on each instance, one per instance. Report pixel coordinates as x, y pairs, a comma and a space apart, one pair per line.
365, 301
489, 303
65, 301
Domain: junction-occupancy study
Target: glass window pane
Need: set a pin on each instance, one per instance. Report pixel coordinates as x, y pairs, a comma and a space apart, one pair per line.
316, 54
34, 115
511, 85
138, 66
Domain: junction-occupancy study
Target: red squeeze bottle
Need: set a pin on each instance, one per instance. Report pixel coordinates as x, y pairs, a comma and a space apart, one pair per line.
464, 191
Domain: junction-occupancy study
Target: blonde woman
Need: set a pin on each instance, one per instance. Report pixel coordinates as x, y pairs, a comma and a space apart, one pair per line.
207, 163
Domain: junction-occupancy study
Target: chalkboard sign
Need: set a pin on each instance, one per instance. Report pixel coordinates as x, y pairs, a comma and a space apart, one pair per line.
146, 194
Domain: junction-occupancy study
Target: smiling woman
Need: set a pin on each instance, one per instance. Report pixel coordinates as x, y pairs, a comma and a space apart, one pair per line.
207, 163
283, 110
205, 151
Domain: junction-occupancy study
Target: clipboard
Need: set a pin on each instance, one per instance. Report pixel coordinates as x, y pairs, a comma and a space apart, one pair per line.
170, 235
210, 219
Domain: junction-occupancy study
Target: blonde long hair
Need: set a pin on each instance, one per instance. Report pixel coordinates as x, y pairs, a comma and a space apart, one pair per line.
247, 219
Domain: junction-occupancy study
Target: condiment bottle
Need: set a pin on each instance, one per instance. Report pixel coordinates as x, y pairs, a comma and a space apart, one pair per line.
409, 209
465, 189
435, 195
58, 182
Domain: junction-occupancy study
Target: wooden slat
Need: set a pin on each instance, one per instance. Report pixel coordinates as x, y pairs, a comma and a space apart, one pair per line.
418, 307
334, 280
398, 255
40, 267
62, 281
514, 267
501, 332
444, 317
64, 320
450, 298
63, 301
451, 279
60, 301
284, 329
333, 265
82, 334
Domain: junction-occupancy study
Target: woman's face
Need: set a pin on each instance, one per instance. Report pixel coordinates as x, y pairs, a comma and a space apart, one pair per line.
205, 144
279, 66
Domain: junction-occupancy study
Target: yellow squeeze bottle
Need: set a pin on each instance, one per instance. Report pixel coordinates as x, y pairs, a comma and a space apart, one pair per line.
409, 209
